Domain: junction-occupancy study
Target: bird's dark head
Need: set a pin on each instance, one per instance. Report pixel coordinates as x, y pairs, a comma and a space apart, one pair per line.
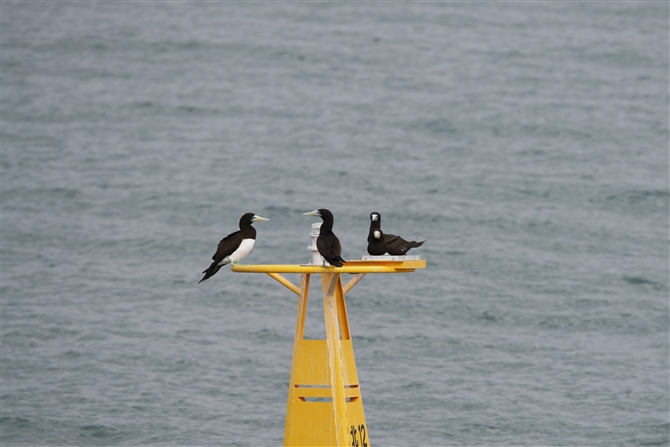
325, 213
250, 218
375, 216
321, 212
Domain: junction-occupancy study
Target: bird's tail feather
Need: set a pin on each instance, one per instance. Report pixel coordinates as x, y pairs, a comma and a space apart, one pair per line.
211, 271
337, 262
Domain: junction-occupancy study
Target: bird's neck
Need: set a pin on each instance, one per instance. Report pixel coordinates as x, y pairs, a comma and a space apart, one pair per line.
248, 232
326, 226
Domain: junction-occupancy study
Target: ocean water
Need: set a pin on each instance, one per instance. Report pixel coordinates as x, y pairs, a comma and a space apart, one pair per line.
526, 141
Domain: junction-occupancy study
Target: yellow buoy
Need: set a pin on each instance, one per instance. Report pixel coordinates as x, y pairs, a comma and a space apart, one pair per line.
325, 406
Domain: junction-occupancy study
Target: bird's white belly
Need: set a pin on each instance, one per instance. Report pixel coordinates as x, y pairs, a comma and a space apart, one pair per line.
243, 250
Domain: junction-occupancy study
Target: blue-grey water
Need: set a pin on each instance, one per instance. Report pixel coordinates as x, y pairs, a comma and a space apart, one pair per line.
527, 142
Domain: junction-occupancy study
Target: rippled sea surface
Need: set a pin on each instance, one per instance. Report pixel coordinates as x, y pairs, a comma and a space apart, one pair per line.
527, 142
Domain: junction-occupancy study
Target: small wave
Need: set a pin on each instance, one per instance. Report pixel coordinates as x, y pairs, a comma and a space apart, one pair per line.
487, 316
436, 126
16, 422
46, 193
99, 431
641, 281
657, 197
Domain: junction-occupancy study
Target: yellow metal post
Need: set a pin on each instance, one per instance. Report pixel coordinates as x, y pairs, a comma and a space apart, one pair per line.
329, 281
325, 406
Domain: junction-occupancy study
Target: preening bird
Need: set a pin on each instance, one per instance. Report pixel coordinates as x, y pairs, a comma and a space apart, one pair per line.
380, 243
327, 243
235, 246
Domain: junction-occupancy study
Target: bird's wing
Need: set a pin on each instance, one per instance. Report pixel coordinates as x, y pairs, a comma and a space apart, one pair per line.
335, 246
227, 245
329, 247
392, 239
395, 244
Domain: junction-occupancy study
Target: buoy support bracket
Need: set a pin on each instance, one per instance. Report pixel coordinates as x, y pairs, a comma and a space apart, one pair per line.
289, 285
352, 282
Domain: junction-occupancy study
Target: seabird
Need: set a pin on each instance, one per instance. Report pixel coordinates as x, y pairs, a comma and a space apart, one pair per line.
380, 243
327, 243
235, 246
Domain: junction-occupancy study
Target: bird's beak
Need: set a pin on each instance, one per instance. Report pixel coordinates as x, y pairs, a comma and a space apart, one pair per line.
312, 213
258, 219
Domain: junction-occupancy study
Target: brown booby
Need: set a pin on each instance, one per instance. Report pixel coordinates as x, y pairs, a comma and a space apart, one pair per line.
327, 243
235, 246
381, 244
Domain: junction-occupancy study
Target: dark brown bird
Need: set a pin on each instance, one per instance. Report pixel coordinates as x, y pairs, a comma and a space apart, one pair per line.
235, 246
327, 243
381, 244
